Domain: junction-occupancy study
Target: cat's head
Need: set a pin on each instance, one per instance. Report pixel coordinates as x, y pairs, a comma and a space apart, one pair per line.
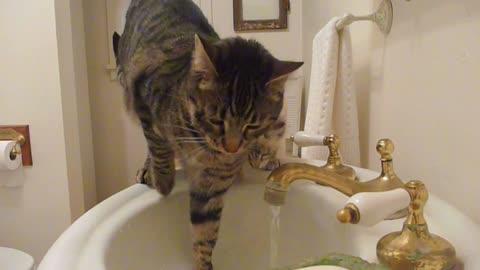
235, 92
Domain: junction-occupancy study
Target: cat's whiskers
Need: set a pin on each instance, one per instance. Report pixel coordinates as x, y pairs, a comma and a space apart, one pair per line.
189, 142
193, 153
180, 127
191, 139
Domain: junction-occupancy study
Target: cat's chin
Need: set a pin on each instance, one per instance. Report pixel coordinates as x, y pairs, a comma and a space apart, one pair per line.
215, 151
221, 152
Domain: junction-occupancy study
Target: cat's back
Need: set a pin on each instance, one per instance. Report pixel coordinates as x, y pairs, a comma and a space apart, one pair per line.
168, 25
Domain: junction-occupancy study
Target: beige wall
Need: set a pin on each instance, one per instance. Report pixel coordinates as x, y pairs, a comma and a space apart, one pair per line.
427, 102
419, 87
76, 105
33, 216
120, 148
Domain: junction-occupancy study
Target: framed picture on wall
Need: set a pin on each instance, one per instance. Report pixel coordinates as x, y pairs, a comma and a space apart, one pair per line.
254, 15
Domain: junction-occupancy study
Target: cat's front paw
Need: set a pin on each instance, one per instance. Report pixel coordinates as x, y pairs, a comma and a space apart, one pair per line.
142, 177
203, 266
267, 164
271, 165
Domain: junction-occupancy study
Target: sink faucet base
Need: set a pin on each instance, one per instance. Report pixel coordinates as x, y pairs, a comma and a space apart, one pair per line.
407, 251
414, 248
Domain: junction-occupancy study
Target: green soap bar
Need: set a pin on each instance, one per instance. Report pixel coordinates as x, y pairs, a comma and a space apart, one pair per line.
341, 260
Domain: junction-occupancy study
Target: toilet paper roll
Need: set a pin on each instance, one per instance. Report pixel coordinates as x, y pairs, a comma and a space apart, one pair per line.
6, 163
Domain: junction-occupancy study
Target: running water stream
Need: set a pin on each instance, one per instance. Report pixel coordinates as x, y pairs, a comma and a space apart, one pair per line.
274, 236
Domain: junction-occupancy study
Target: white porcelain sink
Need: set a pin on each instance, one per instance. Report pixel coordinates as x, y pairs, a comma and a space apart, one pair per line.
139, 229
322, 268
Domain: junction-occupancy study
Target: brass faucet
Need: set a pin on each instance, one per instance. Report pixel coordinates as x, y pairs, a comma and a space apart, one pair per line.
280, 179
414, 248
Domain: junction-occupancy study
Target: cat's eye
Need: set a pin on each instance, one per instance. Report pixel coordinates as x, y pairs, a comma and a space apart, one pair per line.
251, 127
252, 131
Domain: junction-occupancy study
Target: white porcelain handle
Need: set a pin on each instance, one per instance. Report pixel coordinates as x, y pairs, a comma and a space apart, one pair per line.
377, 206
303, 139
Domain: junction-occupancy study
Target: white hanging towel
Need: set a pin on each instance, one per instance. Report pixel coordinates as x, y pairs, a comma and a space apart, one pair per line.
332, 100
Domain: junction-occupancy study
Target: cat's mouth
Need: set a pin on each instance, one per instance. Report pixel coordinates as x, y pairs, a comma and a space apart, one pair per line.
213, 151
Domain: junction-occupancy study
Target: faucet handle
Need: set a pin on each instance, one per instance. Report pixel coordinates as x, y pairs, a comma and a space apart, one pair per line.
369, 208
302, 139
334, 161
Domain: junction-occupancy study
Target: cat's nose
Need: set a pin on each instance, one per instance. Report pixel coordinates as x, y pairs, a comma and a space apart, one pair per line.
232, 144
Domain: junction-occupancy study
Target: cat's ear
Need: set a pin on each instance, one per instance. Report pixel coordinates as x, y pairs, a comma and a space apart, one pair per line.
280, 72
202, 59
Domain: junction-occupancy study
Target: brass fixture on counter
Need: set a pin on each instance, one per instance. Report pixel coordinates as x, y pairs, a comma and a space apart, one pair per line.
413, 248
334, 162
9, 134
388, 179
349, 214
280, 179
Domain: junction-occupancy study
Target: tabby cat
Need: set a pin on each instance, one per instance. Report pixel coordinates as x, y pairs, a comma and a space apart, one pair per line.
211, 103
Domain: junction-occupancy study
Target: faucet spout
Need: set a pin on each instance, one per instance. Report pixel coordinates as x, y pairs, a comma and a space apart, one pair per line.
280, 180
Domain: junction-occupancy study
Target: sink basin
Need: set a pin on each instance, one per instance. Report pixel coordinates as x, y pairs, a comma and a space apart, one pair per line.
139, 229
322, 268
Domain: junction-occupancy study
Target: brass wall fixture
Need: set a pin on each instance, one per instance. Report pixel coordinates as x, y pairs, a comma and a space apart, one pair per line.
413, 248
9, 134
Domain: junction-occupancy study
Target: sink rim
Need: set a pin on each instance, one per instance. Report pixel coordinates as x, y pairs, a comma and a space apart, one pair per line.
63, 254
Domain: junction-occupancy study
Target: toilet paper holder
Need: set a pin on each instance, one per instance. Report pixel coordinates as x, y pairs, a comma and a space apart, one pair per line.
9, 134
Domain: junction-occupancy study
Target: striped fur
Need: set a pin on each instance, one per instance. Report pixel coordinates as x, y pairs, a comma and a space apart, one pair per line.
210, 103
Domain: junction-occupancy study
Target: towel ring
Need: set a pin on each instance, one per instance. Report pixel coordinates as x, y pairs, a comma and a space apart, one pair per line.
383, 18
